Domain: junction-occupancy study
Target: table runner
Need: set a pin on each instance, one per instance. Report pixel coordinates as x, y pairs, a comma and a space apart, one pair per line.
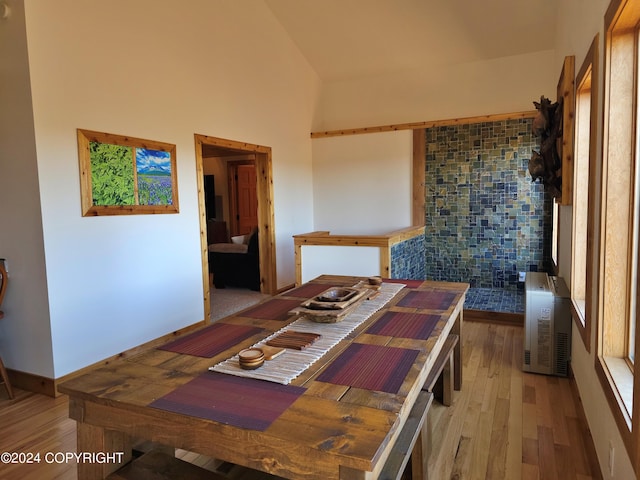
371, 367
405, 325
211, 340
230, 400
428, 299
284, 368
274, 309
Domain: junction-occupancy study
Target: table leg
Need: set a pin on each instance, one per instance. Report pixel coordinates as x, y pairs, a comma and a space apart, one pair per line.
347, 473
419, 458
457, 353
113, 449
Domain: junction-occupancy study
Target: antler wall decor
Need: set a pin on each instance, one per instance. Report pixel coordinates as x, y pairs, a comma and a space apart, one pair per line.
546, 165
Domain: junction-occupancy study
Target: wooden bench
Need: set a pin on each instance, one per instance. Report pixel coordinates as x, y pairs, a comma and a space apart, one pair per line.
443, 371
408, 442
159, 465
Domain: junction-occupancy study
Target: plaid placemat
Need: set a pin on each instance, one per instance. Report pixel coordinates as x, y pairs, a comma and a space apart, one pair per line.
242, 402
432, 300
274, 309
211, 340
308, 290
405, 325
371, 367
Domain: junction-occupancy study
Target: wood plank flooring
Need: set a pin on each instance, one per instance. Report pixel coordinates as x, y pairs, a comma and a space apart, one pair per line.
513, 425
504, 424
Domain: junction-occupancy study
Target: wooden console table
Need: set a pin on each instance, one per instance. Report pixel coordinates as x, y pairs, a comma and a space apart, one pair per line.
322, 426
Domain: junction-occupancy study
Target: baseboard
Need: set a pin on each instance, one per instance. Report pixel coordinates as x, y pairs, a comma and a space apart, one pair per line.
590, 444
32, 383
504, 318
285, 288
49, 386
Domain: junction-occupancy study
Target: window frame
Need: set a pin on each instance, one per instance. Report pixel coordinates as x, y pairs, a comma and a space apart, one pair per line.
616, 250
584, 264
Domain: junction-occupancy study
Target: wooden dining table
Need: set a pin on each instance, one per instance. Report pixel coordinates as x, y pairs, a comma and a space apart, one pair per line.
339, 418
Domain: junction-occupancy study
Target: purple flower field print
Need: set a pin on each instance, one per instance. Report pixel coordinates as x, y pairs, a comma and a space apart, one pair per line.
154, 177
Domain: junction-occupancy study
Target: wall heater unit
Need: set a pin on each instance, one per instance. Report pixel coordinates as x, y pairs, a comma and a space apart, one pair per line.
547, 342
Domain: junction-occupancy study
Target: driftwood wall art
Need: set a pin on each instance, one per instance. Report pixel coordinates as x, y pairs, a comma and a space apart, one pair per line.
546, 165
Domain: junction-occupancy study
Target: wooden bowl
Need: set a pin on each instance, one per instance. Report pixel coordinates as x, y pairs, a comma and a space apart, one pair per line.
250, 358
336, 294
251, 365
250, 354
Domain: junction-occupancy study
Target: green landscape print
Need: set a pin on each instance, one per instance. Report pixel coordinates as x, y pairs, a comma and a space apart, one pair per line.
113, 178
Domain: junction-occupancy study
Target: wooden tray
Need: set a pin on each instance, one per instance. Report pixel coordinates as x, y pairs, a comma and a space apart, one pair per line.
345, 296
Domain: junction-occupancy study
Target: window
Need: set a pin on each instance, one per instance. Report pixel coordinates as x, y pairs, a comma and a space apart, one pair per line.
616, 340
584, 262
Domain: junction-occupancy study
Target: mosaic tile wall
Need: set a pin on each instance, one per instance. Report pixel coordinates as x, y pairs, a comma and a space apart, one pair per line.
407, 259
485, 220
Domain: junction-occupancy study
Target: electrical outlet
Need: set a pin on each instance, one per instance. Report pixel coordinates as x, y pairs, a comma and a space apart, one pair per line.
611, 456
522, 276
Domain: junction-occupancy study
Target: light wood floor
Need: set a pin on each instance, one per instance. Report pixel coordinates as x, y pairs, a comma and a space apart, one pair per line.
513, 425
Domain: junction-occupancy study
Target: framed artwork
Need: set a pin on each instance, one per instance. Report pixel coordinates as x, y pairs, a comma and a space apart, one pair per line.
122, 175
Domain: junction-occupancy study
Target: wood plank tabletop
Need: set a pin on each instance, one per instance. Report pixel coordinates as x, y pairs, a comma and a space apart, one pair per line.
339, 424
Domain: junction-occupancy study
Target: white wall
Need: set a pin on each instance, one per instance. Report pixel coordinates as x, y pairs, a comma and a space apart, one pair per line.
155, 70
575, 31
338, 260
362, 183
25, 333
502, 85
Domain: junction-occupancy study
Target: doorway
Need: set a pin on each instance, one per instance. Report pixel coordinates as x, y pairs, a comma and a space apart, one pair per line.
260, 157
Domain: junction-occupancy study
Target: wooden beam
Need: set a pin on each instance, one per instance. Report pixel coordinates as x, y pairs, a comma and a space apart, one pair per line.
418, 209
428, 124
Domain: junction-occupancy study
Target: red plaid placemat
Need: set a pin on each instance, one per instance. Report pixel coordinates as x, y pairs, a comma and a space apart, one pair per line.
308, 290
274, 309
432, 300
405, 325
242, 402
211, 340
371, 367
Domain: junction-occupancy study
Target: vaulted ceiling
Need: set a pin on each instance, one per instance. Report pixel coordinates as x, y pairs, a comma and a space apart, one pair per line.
347, 39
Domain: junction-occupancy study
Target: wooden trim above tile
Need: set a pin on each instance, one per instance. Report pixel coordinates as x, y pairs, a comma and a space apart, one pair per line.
428, 124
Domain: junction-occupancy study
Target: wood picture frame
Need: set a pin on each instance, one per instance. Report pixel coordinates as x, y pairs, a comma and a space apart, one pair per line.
121, 175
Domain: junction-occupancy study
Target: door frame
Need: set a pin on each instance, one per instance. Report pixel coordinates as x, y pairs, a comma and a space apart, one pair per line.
266, 216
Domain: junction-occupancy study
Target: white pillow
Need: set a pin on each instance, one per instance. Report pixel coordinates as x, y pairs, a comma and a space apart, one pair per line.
238, 240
